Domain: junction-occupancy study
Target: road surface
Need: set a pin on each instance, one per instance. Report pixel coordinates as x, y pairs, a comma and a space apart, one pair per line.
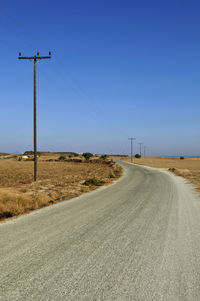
136, 240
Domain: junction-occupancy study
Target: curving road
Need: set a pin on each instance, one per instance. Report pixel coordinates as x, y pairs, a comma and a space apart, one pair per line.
136, 240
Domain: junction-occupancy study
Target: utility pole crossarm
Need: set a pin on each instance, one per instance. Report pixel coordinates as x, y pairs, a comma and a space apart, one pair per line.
33, 57
26, 57
42, 57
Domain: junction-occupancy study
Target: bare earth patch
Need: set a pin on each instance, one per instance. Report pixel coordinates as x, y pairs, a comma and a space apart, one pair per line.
56, 181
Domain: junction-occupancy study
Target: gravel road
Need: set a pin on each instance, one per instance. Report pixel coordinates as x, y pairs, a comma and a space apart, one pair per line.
137, 240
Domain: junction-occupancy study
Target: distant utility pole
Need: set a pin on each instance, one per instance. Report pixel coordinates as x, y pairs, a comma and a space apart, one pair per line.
140, 143
131, 139
145, 150
35, 59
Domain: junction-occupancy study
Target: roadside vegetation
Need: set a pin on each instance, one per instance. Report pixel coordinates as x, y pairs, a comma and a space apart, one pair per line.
60, 176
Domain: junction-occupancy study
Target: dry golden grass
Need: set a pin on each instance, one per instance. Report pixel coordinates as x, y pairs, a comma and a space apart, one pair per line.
188, 168
19, 194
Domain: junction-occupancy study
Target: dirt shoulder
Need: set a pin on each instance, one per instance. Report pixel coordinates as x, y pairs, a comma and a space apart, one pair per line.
57, 181
188, 168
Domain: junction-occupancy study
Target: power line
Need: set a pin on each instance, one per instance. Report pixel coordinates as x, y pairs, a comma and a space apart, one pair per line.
35, 59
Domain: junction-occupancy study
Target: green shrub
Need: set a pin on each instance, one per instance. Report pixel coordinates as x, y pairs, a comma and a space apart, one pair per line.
87, 156
72, 154
104, 157
182, 158
137, 156
61, 158
93, 182
75, 154
31, 153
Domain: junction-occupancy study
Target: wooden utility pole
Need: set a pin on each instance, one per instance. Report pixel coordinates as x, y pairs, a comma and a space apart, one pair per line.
131, 139
145, 150
35, 59
140, 143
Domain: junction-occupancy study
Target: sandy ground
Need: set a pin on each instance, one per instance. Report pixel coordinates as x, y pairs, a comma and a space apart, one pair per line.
57, 180
188, 168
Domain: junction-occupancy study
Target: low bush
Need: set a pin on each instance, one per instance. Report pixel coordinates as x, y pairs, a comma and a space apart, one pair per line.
93, 182
104, 157
182, 158
31, 153
137, 156
61, 158
87, 156
75, 154
72, 154
172, 169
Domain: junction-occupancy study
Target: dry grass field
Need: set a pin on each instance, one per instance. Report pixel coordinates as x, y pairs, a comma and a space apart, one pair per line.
188, 168
56, 179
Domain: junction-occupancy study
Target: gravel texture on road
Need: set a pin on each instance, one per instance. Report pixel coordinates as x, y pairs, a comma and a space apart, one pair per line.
137, 240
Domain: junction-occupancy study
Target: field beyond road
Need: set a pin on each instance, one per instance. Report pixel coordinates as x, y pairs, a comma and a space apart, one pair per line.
57, 180
188, 168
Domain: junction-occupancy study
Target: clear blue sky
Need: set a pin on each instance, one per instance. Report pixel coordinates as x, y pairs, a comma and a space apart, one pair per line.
119, 69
